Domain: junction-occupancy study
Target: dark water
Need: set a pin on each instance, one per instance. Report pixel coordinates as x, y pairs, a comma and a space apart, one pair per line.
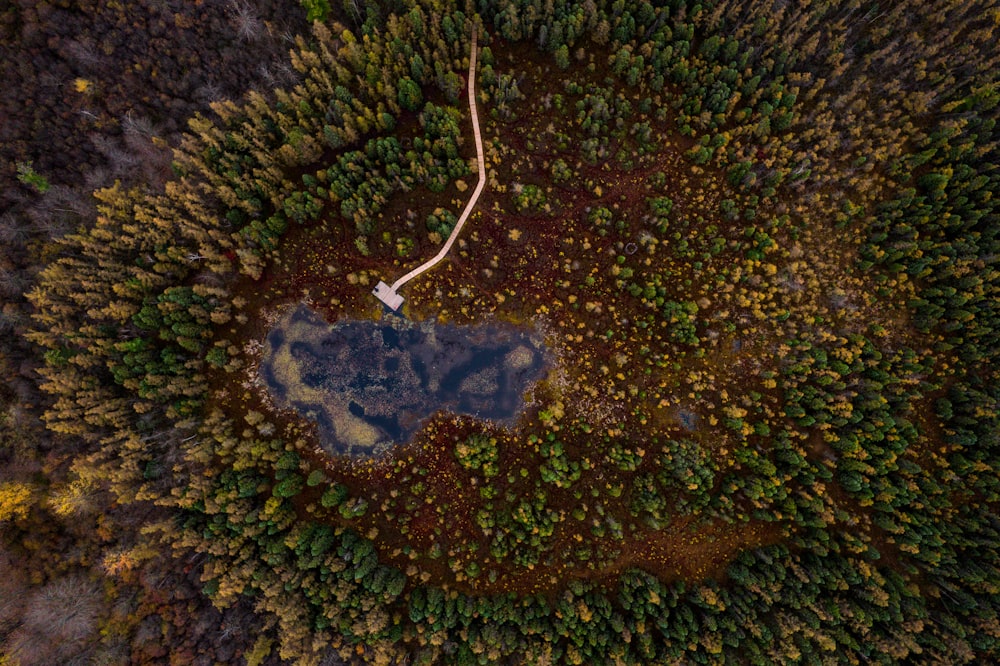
688, 419
370, 384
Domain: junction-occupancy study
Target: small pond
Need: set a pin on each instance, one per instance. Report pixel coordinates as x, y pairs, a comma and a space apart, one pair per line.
369, 385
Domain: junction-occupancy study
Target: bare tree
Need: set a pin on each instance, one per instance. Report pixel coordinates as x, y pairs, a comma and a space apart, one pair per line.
121, 162
53, 226
12, 283
59, 622
84, 53
14, 230
209, 93
141, 141
133, 124
12, 593
246, 20
98, 178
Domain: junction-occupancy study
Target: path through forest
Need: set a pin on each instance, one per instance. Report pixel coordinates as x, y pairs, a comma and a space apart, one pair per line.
389, 295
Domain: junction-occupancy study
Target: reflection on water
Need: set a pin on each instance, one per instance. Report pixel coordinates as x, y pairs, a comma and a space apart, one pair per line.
370, 384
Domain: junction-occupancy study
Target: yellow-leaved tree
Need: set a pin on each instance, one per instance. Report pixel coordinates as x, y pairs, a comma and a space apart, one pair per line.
15, 500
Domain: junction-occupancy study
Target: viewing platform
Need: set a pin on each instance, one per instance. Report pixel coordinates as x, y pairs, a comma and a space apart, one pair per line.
387, 295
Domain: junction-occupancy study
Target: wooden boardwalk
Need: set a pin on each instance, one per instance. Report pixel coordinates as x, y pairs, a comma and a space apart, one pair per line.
390, 294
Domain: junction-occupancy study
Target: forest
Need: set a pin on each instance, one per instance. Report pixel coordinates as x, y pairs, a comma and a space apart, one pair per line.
757, 240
